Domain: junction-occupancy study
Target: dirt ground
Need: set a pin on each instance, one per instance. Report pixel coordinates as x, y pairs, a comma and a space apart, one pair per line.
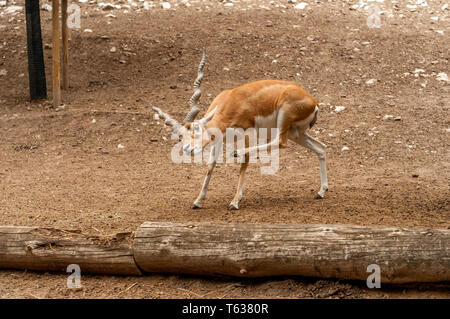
60, 168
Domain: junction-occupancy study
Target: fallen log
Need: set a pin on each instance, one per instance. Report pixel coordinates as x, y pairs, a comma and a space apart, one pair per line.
37, 248
326, 251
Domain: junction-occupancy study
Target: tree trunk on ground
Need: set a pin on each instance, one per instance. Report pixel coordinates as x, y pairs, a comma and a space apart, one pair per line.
326, 251
49, 249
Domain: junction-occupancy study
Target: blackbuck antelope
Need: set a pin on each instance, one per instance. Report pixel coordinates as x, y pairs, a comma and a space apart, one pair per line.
261, 104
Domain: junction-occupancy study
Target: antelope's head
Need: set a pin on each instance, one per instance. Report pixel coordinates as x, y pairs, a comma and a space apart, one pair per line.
193, 133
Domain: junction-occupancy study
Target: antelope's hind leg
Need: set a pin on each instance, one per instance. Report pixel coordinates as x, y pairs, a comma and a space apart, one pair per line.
300, 137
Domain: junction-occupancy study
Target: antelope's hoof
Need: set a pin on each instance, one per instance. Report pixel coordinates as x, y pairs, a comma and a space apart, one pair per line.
196, 206
237, 154
233, 207
318, 196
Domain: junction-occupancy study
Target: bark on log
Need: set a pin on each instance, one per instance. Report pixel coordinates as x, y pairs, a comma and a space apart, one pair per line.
49, 249
327, 251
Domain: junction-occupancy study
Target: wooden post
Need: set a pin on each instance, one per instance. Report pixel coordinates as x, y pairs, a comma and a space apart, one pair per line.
50, 249
325, 251
56, 55
65, 45
36, 68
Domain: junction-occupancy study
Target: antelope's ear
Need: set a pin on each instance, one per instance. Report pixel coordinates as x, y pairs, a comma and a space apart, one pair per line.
188, 126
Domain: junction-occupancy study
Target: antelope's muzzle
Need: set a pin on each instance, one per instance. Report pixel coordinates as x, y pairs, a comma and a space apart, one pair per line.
189, 150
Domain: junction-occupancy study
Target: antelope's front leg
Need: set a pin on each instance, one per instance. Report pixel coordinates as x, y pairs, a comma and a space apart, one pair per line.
234, 205
211, 165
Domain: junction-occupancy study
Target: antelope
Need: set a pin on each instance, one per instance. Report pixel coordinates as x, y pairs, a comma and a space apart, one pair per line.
262, 104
